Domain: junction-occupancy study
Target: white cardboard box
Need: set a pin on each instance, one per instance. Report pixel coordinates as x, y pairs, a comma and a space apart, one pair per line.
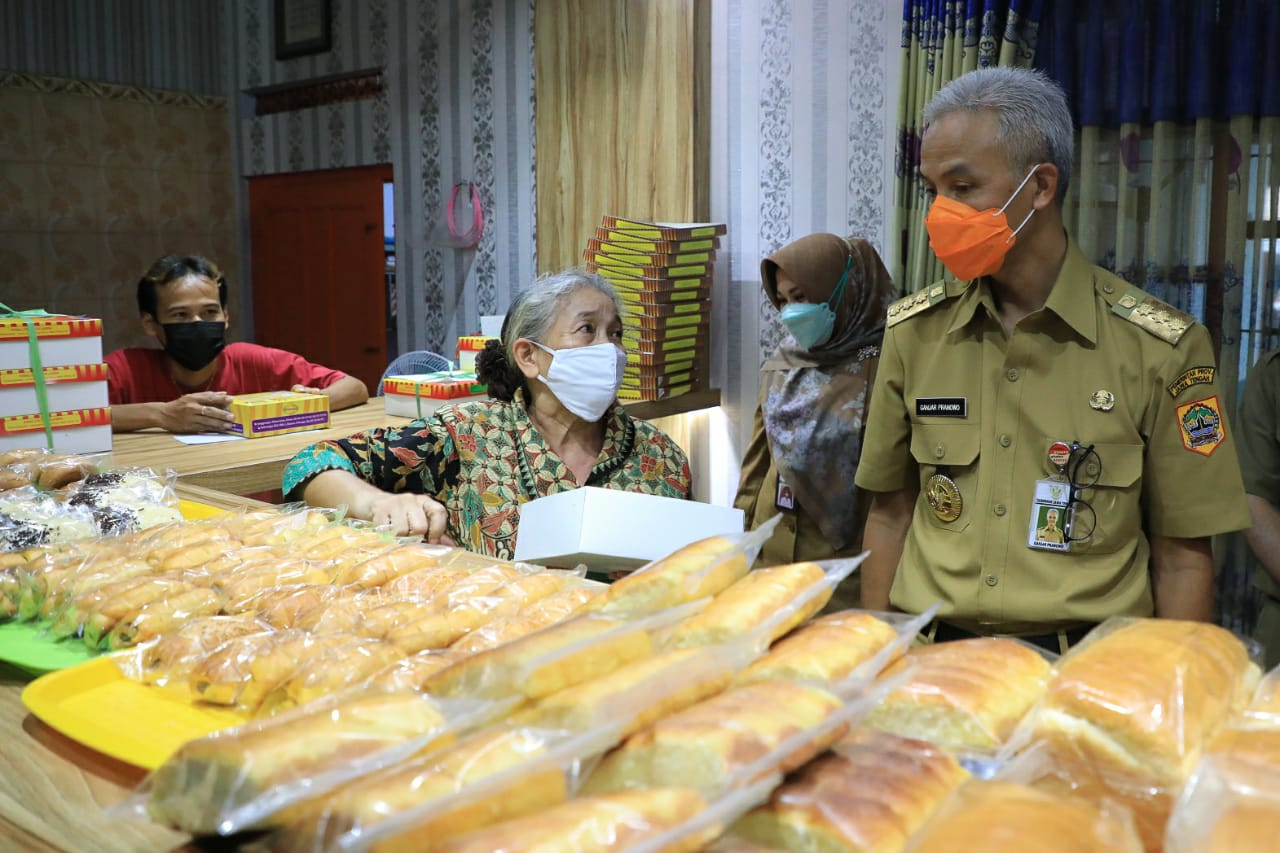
611, 530
61, 340
78, 431
68, 387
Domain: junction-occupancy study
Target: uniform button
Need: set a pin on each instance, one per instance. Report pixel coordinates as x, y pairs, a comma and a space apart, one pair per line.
1006, 440
1012, 374
1091, 469
940, 451
999, 509
1108, 288
992, 580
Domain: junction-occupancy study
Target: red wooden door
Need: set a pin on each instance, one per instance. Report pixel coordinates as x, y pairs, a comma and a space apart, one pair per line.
318, 263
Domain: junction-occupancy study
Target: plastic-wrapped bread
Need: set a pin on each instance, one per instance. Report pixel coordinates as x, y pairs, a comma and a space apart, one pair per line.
478, 599
390, 565
412, 672
237, 778
589, 824
1140, 698
95, 612
1002, 817
170, 657
799, 589
330, 542
271, 528
709, 745
870, 793
1130, 710
427, 583
330, 670
369, 802
293, 605
1232, 802
243, 671
826, 650
162, 615
577, 650
188, 546
240, 587
633, 696
700, 569
967, 694
1264, 708
530, 618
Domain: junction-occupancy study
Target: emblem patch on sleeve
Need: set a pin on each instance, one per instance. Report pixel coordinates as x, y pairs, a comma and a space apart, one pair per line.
1194, 376
1200, 423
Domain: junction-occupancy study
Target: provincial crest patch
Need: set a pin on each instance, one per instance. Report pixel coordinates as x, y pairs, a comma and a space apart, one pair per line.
1200, 423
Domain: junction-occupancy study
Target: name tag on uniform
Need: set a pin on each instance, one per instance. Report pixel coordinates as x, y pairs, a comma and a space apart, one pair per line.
785, 498
942, 407
1050, 516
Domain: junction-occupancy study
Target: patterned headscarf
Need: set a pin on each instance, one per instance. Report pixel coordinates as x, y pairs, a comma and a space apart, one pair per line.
815, 401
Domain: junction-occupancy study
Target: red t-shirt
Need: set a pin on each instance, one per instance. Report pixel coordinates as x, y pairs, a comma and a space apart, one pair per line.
137, 375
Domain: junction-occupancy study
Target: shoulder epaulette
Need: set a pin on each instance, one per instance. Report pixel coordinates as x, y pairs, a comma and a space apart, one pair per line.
1151, 315
915, 303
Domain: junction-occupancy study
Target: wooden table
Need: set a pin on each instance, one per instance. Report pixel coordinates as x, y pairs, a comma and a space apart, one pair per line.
245, 466
256, 464
53, 790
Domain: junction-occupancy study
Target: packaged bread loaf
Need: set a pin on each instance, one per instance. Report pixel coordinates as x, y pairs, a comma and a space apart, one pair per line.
1004, 817
330, 670
700, 569
589, 824
528, 619
169, 658
539, 664
426, 584
1264, 708
968, 694
412, 672
1232, 801
772, 600
162, 615
871, 792
724, 740
496, 774
1130, 710
239, 778
828, 649
633, 696
1141, 697
386, 567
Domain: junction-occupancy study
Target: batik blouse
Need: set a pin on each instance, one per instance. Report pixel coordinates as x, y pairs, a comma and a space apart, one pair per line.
483, 459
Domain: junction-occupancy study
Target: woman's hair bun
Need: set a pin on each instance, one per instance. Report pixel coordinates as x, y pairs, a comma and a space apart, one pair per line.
493, 369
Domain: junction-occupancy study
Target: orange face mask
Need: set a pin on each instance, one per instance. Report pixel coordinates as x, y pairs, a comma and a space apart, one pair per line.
972, 243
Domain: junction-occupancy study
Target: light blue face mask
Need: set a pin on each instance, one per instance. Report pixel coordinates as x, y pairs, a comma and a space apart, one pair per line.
811, 324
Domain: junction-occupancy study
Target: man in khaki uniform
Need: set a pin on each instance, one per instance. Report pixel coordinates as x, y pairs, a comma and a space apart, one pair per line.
1259, 447
1037, 379
1051, 532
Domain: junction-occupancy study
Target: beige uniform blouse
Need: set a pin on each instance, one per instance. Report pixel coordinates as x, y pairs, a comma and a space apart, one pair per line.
1103, 364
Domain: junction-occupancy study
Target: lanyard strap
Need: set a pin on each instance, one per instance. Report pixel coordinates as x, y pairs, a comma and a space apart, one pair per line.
37, 369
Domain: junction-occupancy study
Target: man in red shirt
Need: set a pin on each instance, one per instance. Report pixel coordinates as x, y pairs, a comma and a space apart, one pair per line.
187, 385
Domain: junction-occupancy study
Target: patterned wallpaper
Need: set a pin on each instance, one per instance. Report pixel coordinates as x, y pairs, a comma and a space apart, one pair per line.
803, 104
98, 181
162, 44
458, 106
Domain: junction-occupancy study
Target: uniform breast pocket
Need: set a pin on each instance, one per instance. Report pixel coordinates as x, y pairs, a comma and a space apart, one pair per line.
948, 458
1112, 504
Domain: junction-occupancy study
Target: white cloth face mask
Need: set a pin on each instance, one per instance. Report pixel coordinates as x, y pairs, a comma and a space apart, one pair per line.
585, 379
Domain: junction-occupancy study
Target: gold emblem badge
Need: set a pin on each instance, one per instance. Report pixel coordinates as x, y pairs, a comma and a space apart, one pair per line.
943, 496
1102, 400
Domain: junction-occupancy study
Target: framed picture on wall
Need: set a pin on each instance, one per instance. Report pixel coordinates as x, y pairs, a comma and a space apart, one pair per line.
302, 27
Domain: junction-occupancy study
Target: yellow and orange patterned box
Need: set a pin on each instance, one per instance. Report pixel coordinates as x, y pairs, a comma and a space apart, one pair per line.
278, 412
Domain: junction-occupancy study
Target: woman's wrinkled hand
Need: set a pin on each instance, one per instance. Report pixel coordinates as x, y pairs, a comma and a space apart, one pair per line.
412, 515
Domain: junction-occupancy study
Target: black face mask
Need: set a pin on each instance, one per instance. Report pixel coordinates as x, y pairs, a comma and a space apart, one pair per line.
194, 345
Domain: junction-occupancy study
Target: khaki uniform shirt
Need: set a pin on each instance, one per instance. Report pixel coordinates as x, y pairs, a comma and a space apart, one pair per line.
1259, 447
1167, 466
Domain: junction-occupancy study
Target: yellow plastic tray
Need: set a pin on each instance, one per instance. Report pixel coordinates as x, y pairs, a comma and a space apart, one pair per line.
94, 703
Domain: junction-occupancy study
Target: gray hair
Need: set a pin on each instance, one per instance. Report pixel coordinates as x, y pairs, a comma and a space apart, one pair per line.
1035, 123
534, 309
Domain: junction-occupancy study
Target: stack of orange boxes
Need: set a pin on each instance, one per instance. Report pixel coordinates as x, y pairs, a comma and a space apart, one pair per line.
663, 272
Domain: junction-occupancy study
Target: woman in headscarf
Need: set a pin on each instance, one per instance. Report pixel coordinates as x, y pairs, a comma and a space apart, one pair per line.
832, 294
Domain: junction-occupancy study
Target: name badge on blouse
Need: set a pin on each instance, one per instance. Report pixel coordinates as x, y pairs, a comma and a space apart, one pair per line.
1050, 516
785, 498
